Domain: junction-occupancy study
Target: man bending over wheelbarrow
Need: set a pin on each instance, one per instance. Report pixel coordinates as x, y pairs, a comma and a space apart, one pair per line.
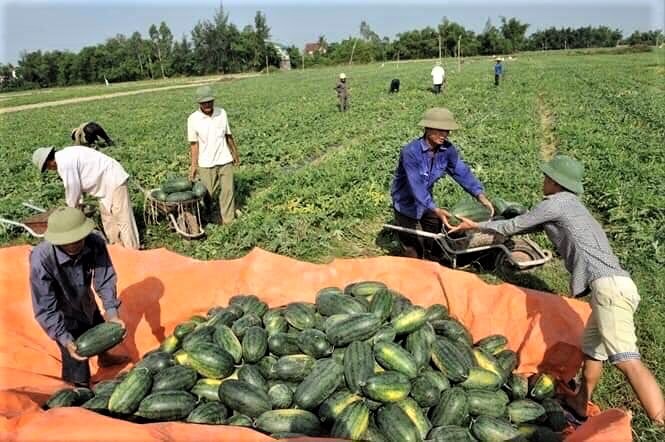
422, 163
580, 240
85, 170
63, 270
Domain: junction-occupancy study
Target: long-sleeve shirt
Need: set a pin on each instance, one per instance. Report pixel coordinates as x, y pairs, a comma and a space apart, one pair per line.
61, 286
342, 89
498, 69
577, 236
85, 170
417, 171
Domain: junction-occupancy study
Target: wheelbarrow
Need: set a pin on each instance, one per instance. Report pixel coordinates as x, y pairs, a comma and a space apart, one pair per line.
34, 224
184, 216
511, 254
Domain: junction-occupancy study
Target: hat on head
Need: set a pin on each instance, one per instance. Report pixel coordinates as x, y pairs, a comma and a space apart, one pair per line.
204, 94
565, 171
67, 225
439, 118
342, 76
39, 157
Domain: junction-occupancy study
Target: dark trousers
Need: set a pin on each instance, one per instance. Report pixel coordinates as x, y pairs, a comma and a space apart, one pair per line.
343, 103
496, 79
436, 88
73, 371
422, 246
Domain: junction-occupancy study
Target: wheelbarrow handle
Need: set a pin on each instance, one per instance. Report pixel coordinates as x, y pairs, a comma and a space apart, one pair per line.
15, 223
33, 207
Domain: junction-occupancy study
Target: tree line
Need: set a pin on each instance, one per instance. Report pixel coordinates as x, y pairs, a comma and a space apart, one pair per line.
218, 46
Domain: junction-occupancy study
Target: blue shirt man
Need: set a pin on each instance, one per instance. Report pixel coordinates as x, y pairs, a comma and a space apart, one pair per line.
63, 271
498, 71
422, 163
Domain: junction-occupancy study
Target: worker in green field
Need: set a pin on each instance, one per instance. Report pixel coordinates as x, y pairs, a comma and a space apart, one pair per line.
610, 332
498, 71
438, 77
214, 152
422, 163
64, 269
84, 170
342, 89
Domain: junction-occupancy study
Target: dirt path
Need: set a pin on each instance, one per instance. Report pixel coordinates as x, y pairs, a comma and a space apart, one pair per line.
24, 107
548, 144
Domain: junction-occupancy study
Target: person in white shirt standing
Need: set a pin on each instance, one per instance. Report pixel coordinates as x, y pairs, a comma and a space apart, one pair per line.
85, 170
214, 151
438, 76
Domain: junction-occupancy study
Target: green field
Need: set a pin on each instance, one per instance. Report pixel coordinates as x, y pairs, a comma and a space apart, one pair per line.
314, 183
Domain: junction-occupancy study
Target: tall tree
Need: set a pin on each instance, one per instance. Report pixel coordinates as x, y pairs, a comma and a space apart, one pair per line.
514, 32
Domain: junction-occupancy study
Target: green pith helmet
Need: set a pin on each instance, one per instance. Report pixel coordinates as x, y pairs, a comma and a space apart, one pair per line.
565, 171
439, 118
39, 157
204, 94
67, 225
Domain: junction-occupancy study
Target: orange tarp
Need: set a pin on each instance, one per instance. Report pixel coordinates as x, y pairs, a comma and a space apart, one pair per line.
159, 289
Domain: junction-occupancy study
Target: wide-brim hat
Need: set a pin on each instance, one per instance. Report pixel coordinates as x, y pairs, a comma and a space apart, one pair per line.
342, 76
204, 94
67, 225
565, 171
39, 157
439, 118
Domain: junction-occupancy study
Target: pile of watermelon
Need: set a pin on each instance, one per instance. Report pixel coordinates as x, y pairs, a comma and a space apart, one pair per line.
178, 189
362, 363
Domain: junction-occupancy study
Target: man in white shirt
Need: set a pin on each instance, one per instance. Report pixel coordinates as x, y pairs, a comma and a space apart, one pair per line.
85, 170
438, 75
214, 151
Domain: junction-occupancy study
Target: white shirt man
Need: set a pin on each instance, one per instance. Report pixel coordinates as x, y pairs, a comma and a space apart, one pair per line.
214, 152
438, 76
86, 171
210, 133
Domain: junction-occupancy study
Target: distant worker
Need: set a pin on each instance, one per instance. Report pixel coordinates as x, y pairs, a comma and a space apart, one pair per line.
422, 163
90, 134
394, 85
64, 269
609, 335
438, 77
86, 171
342, 90
498, 71
214, 152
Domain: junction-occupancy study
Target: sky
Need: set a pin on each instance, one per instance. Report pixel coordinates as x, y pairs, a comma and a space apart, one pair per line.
30, 25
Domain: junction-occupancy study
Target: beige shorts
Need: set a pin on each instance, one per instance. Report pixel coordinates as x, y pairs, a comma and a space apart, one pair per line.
610, 333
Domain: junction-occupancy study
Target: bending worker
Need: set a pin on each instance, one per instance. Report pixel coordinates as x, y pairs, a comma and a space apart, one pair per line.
580, 240
422, 163
64, 268
85, 170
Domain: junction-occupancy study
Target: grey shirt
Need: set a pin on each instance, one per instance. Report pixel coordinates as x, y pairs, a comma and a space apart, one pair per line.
61, 286
577, 236
342, 89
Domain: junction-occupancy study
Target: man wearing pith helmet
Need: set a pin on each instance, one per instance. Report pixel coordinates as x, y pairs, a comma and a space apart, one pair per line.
580, 240
86, 171
342, 89
64, 269
422, 163
214, 151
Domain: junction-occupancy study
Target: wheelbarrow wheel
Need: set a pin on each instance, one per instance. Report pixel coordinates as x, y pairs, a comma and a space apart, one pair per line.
520, 251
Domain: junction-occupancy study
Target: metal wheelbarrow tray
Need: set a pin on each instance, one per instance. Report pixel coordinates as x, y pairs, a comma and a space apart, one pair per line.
522, 253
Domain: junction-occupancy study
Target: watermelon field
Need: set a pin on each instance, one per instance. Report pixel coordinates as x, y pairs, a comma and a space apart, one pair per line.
314, 183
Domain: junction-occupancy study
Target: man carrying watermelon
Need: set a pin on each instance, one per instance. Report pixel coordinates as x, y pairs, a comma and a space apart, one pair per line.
64, 269
422, 163
580, 240
214, 151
